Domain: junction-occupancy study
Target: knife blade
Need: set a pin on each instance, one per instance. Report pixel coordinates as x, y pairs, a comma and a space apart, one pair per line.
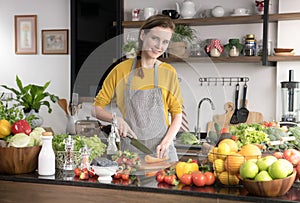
140, 146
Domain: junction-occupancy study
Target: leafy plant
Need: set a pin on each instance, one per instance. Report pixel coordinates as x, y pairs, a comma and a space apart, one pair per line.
31, 96
12, 113
127, 47
183, 32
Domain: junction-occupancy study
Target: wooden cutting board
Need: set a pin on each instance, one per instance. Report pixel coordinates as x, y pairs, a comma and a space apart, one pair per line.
224, 119
154, 166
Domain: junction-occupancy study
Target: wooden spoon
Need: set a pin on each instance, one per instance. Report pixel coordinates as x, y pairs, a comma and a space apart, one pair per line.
64, 105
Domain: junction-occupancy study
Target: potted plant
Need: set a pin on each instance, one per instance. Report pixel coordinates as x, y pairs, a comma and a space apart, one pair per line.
183, 34
32, 97
129, 49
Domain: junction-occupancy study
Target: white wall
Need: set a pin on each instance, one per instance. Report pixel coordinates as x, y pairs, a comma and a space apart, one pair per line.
38, 68
264, 82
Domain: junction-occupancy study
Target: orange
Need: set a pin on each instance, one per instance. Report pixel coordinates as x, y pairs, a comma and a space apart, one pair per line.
233, 162
250, 151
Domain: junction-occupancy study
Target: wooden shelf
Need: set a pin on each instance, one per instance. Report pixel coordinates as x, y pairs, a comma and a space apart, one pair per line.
227, 20
238, 59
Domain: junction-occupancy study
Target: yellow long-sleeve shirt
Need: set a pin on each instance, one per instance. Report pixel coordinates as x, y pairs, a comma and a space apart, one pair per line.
114, 86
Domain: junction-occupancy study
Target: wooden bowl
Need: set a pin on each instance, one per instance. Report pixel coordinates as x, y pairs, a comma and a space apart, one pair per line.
19, 160
273, 188
283, 50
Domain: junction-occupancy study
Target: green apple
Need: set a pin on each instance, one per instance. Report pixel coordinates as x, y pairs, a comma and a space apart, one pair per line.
249, 169
280, 169
264, 163
263, 176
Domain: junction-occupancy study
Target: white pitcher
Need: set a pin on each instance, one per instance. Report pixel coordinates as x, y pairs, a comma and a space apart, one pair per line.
188, 9
149, 11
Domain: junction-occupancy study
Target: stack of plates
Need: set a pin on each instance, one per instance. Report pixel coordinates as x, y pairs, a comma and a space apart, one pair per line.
283, 52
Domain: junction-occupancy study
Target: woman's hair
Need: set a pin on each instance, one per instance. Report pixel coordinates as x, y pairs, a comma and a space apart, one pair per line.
158, 20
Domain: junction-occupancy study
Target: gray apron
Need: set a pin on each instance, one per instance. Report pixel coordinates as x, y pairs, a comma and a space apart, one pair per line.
145, 115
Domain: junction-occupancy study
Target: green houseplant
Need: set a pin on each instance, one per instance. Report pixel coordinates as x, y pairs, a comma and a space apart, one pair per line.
31, 96
183, 34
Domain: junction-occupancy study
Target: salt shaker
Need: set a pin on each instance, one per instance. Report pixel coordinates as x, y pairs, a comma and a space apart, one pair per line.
69, 146
46, 159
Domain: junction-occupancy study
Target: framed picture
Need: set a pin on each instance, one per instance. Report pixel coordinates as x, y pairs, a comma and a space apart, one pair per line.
25, 34
55, 41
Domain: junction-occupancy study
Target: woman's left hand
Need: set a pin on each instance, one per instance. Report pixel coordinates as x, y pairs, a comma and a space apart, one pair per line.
161, 151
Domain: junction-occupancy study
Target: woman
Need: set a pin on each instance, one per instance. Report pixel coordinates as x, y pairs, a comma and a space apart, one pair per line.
146, 90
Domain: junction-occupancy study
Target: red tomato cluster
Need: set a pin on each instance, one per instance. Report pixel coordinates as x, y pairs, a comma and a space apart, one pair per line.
271, 124
85, 173
196, 178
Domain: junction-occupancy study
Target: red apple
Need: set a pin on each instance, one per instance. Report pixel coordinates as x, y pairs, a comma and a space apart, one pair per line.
84, 176
278, 155
298, 170
292, 155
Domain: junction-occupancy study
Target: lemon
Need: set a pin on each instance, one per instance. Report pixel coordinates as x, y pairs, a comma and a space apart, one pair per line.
223, 150
19, 140
219, 165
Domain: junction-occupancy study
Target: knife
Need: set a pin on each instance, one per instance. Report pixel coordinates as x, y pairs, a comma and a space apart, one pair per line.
140, 146
134, 142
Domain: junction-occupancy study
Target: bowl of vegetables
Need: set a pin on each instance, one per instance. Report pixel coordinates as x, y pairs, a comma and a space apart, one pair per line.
18, 160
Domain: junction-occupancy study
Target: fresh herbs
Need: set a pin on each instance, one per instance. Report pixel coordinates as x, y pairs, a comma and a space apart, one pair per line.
94, 144
249, 134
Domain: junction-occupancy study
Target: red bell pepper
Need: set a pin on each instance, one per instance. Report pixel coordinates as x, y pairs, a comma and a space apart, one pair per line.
21, 126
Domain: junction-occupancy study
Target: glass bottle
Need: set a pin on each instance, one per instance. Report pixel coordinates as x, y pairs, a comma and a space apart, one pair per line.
250, 45
46, 159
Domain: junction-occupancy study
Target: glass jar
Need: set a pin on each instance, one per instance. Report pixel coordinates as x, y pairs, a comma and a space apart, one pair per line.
250, 45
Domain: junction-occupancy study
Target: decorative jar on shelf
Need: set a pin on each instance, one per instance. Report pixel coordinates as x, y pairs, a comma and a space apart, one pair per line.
214, 48
234, 47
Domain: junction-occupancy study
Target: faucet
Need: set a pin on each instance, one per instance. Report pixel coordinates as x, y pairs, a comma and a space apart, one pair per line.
197, 130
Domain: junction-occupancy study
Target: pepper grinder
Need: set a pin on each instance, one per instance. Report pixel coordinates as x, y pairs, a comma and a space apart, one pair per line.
46, 159
112, 147
69, 146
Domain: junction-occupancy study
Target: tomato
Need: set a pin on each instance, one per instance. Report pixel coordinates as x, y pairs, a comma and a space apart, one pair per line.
186, 179
160, 178
224, 130
171, 179
199, 179
125, 176
77, 171
117, 175
210, 178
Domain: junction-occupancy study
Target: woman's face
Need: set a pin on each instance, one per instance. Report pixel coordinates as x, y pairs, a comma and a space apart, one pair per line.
156, 41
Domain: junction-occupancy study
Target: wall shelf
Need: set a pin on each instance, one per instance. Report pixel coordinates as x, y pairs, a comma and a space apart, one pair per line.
228, 20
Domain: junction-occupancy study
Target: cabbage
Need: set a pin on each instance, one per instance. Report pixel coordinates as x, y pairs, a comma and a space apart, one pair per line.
20, 140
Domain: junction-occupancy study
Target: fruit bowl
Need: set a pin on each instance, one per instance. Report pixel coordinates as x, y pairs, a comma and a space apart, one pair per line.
272, 188
19, 160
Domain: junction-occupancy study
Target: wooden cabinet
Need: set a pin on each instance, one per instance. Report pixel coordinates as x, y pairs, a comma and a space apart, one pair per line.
229, 20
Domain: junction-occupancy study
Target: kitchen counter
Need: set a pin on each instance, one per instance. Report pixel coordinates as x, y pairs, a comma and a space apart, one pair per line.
64, 187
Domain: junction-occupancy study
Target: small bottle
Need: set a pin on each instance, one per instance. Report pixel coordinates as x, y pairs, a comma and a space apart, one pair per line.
46, 160
250, 45
112, 147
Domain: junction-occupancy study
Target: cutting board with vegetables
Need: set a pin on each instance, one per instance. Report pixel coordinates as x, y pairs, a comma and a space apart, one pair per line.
224, 119
154, 166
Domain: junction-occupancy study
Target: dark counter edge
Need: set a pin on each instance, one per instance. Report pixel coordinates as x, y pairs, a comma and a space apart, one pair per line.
140, 188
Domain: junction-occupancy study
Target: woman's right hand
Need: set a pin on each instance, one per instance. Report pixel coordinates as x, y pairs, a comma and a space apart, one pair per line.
124, 129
